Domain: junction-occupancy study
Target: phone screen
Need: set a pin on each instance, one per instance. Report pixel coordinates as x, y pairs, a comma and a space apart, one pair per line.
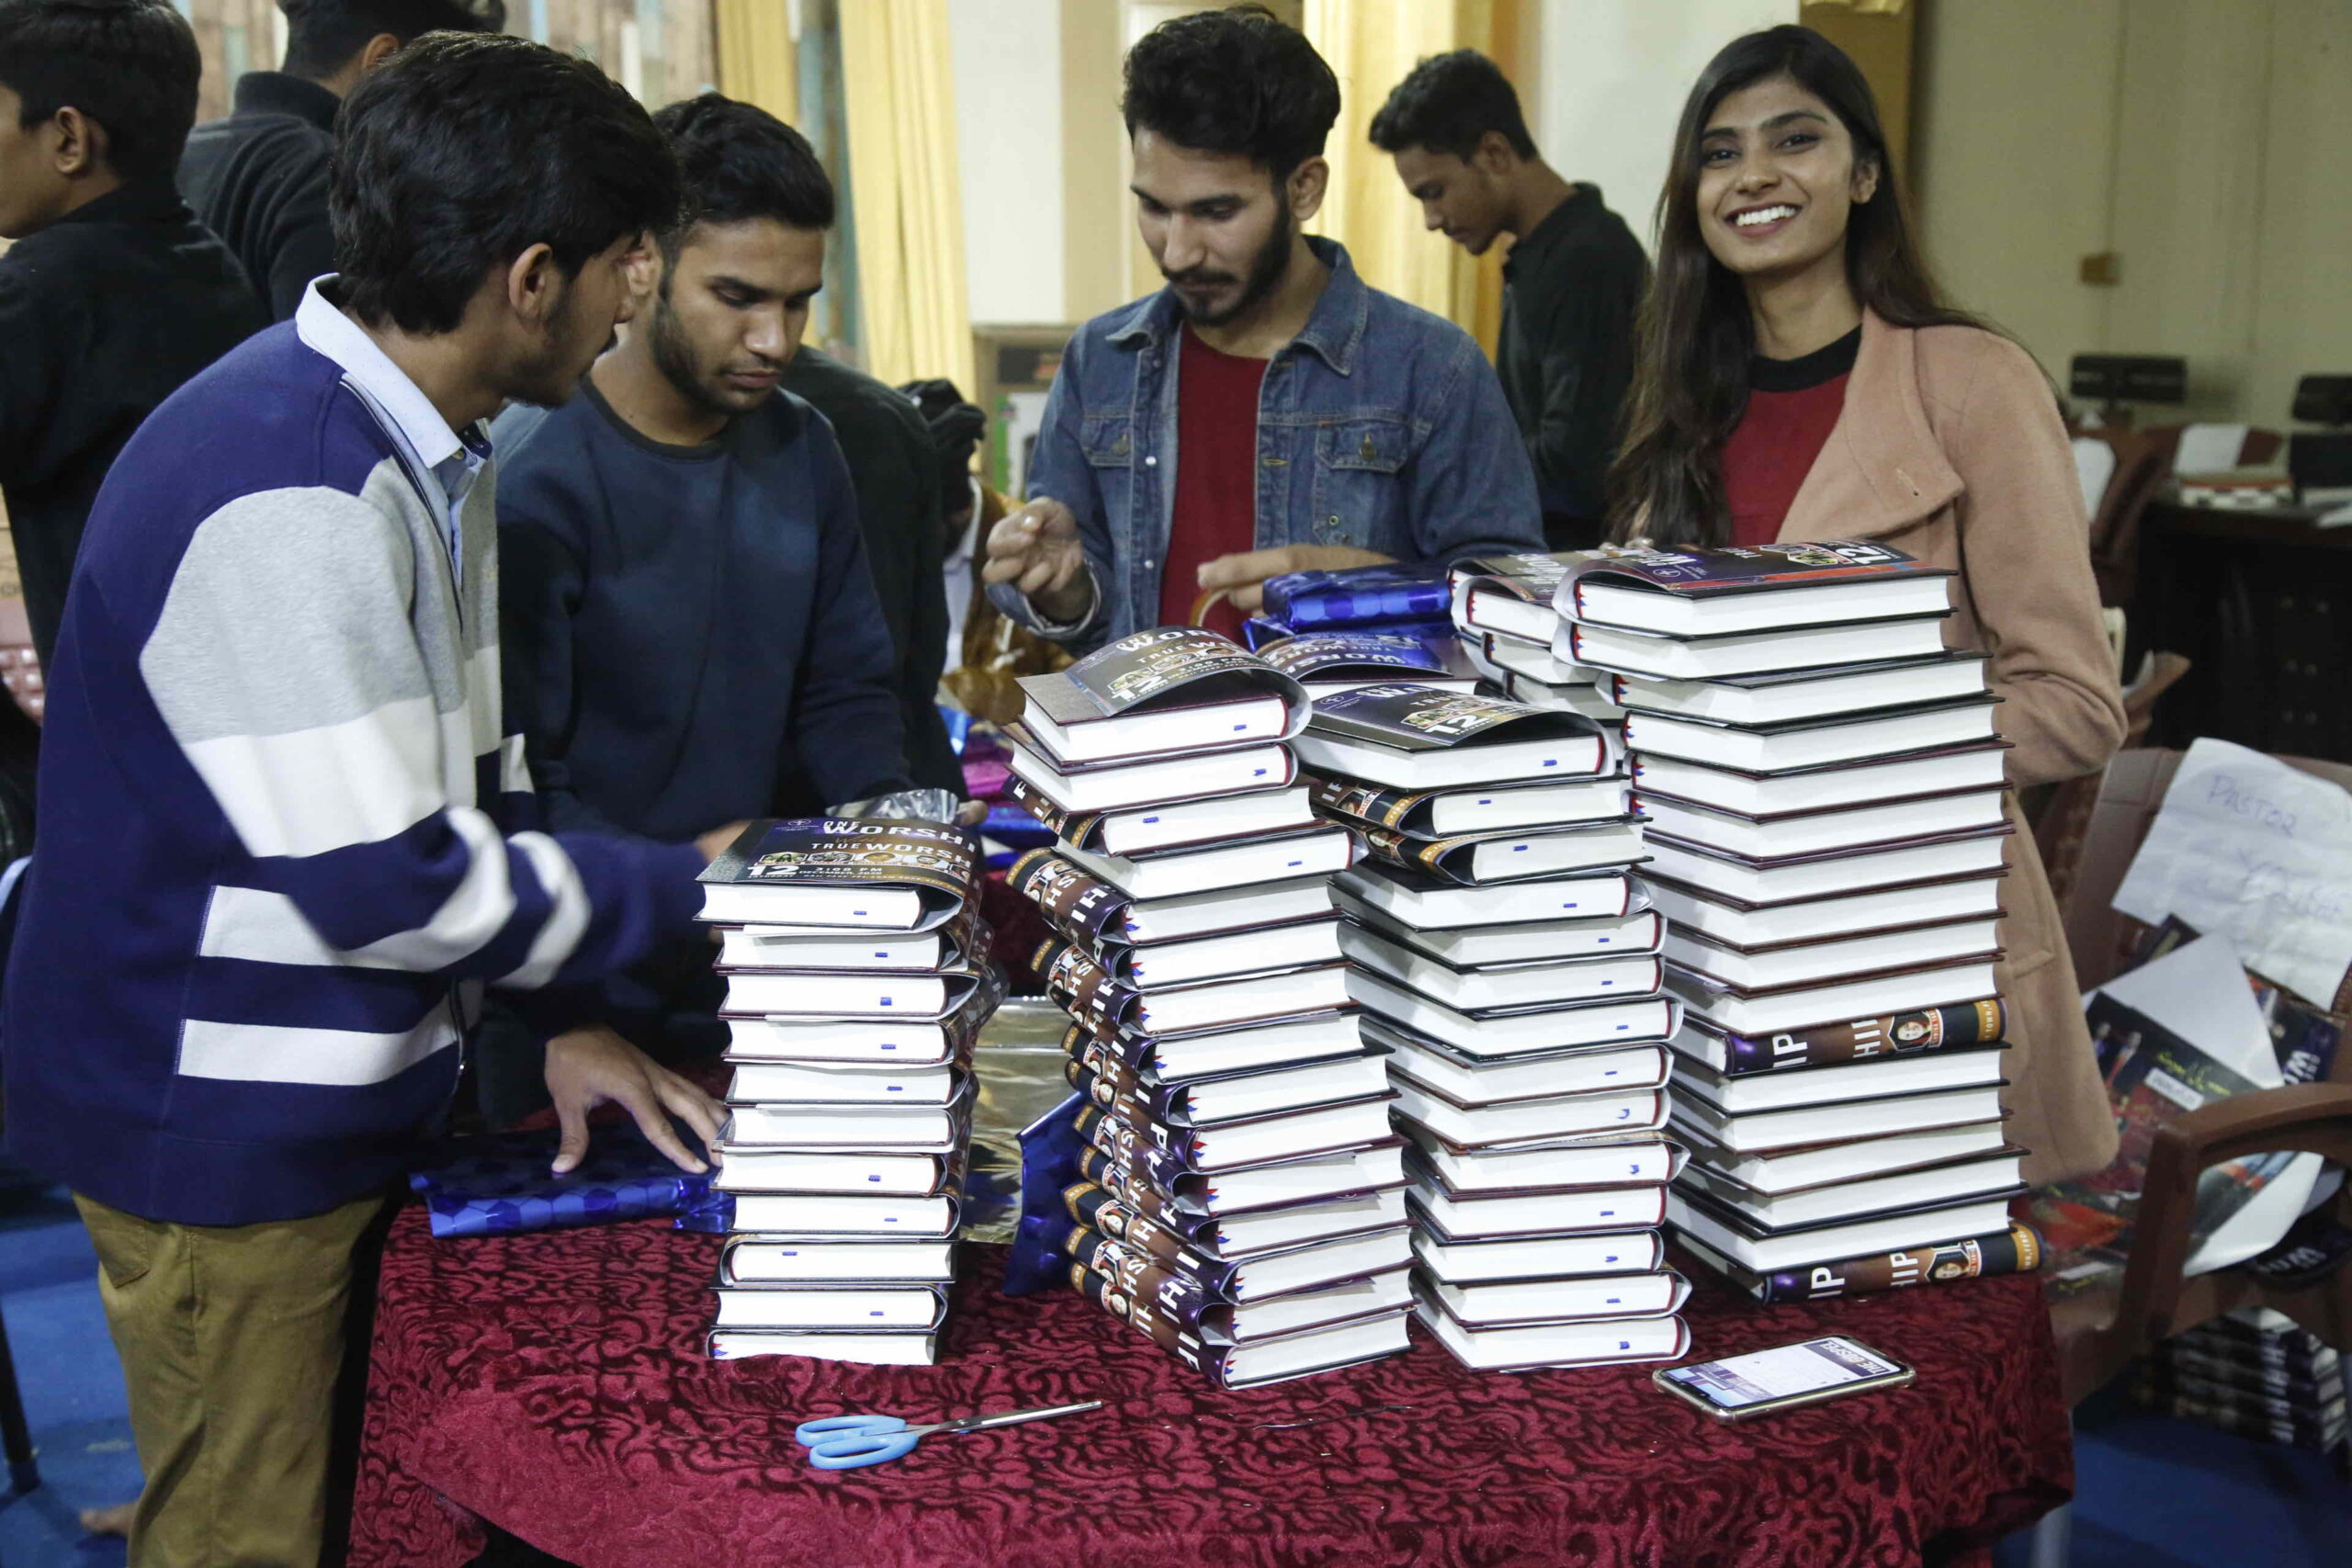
1737, 1383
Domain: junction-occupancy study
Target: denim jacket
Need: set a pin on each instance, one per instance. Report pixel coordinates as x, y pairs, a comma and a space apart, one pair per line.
1380, 425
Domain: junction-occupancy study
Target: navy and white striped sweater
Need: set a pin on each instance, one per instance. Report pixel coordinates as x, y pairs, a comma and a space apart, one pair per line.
283, 837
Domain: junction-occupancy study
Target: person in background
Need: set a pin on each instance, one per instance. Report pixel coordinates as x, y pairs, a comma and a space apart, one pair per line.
957, 428
288, 839
1266, 412
687, 618
1801, 378
113, 293
259, 177
891, 464
1572, 282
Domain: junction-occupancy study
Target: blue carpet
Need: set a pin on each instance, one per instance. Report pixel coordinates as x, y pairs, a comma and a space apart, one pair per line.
2156, 1493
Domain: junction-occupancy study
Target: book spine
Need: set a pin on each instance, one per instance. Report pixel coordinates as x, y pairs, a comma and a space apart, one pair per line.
1392, 848
1069, 827
1092, 1205
1128, 1186
1104, 1093
1080, 986
2017, 1250
1867, 1039
1140, 1276
1361, 806
1069, 898
1138, 1146
1183, 1344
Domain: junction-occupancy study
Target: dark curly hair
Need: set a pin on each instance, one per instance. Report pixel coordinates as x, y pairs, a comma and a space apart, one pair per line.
737, 161
1235, 81
1448, 104
130, 65
463, 151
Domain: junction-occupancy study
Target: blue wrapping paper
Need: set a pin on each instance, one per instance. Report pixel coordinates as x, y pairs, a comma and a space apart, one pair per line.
1360, 596
1051, 1149
500, 1185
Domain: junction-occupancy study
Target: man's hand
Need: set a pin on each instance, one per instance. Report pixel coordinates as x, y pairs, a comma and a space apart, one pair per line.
1244, 574
594, 1067
1037, 550
714, 843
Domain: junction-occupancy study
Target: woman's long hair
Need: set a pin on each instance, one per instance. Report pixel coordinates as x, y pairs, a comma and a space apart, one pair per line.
1697, 337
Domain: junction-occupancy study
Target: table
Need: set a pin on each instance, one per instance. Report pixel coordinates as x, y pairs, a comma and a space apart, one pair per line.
554, 1385
2261, 602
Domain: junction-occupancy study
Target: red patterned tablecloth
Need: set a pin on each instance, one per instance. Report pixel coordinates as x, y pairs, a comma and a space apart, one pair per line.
555, 1385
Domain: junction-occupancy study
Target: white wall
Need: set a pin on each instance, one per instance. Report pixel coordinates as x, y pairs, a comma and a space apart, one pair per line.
1008, 70
1614, 74
2197, 140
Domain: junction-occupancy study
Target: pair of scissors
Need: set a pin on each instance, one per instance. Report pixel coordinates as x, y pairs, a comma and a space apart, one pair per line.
845, 1442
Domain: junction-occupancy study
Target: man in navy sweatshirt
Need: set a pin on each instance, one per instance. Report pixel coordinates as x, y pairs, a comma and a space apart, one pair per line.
690, 627
288, 839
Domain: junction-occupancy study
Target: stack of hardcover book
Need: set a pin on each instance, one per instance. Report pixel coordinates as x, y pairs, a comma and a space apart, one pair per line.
2253, 1372
1242, 1203
1509, 965
1503, 614
856, 981
1825, 817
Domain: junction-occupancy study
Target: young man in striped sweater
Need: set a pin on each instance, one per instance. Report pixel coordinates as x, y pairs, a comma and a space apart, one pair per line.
286, 839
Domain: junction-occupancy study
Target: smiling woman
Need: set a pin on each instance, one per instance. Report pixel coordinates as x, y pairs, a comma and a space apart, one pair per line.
1801, 378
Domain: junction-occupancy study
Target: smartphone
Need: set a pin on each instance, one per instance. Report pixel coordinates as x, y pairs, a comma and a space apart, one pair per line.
1784, 1378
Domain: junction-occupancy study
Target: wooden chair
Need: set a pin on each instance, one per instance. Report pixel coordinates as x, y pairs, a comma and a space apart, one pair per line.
2100, 1332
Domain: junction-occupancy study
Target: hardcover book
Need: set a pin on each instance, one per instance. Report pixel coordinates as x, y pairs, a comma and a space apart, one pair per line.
1164, 669
1886, 1035
1780, 696
1181, 825
2015, 1249
1095, 912
1368, 1246
1324, 661
1452, 813
1693, 591
1415, 737
844, 873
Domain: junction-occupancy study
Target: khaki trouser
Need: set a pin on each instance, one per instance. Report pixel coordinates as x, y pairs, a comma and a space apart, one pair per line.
231, 1338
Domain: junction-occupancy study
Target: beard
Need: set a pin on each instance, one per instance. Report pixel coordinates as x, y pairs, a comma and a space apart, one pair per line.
674, 356
1266, 269
545, 379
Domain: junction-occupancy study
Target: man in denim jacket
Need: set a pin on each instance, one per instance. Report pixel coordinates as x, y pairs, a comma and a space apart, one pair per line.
1322, 423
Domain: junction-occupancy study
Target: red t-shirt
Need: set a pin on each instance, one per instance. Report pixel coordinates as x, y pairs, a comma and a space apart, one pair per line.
1793, 405
1217, 476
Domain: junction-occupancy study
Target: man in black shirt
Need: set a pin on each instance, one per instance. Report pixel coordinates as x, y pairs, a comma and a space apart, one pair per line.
113, 293
259, 177
1572, 283
895, 469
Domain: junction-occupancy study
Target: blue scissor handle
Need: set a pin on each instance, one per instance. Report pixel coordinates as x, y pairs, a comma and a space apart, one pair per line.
846, 1442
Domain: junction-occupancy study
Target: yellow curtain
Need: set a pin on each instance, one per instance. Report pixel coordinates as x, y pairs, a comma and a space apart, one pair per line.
1372, 45
758, 62
905, 190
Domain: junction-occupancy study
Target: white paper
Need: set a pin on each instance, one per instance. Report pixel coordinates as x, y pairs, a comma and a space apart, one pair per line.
2209, 448
2247, 848
2200, 992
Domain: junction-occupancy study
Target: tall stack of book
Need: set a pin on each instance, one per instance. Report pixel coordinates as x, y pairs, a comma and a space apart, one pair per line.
2255, 1372
1822, 783
1504, 616
856, 980
1242, 1202
1508, 965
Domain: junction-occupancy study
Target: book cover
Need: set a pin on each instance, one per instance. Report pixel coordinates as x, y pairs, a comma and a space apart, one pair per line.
1337, 655
1697, 573
1418, 718
1529, 576
1863, 1039
1083, 907
1448, 860
841, 851
1164, 666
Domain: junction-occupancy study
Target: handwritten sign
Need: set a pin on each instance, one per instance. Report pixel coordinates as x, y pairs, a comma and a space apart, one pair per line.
2247, 848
